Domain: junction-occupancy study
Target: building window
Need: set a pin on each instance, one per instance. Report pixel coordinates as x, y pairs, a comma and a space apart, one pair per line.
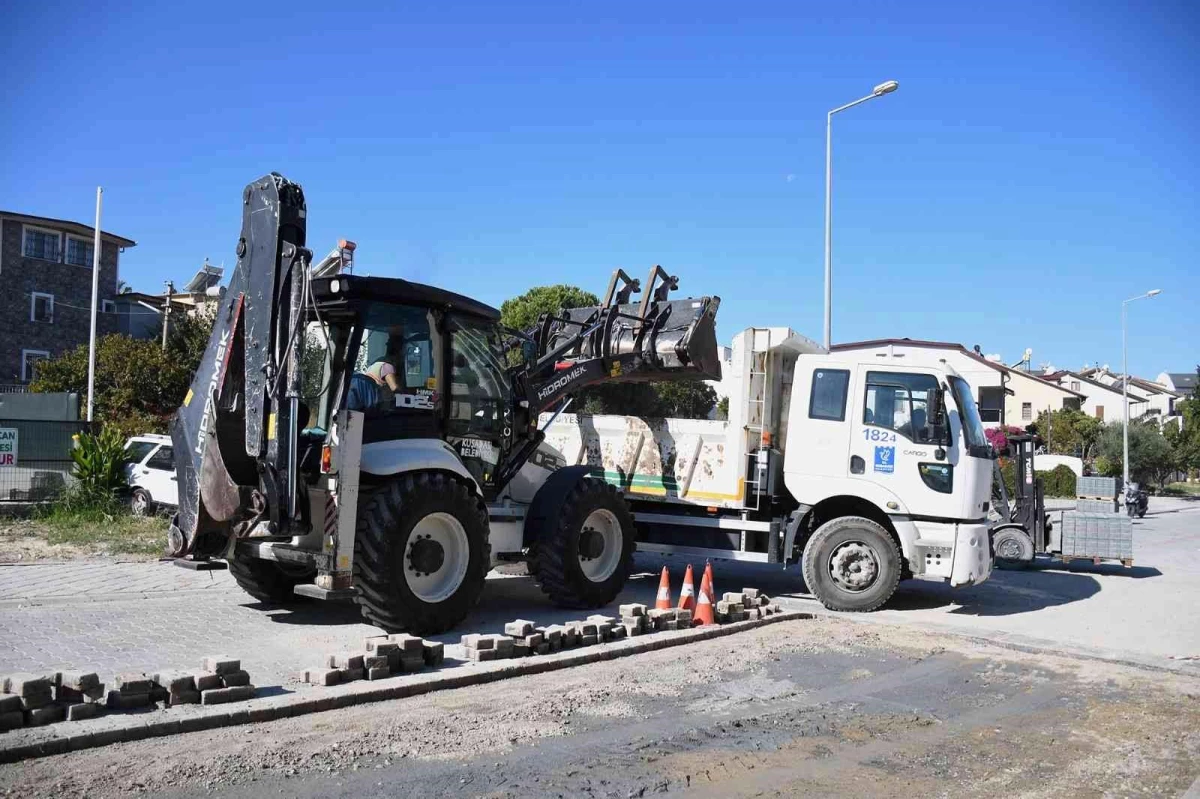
1074, 385
828, 398
43, 244
1100, 412
1026, 411
29, 359
41, 307
991, 403
108, 306
79, 251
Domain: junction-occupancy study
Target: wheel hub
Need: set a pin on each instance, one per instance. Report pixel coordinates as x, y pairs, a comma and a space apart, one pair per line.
854, 566
1009, 548
591, 543
426, 556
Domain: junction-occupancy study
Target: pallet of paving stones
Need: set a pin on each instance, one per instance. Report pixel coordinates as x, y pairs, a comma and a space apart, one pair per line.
38, 698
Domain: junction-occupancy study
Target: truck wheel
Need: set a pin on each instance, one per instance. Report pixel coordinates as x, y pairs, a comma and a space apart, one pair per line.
583, 552
852, 564
1014, 548
269, 582
421, 554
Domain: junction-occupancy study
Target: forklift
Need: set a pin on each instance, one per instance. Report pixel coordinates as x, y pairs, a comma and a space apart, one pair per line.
1024, 528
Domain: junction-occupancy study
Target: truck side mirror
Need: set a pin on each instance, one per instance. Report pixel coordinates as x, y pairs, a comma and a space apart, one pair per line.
935, 422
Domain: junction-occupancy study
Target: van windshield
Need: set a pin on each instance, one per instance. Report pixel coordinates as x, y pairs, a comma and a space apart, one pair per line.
968, 413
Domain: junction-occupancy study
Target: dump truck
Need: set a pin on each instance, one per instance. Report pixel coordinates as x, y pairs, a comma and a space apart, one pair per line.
861, 470
417, 459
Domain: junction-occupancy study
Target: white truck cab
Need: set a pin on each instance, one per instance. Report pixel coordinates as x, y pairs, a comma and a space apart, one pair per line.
862, 470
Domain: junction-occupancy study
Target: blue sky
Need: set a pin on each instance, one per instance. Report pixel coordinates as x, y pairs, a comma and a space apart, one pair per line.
1036, 166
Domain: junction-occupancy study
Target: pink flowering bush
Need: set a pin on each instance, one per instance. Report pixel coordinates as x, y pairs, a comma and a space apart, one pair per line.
998, 436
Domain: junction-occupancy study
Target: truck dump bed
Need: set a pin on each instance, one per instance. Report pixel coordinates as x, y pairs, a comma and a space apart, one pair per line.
673, 460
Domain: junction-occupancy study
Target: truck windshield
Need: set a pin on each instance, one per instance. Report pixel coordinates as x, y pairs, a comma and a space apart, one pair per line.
968, 414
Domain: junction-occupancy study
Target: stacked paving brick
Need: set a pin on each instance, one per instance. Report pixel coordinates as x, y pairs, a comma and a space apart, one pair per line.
44, 698
749, 603
383, 656
232, 684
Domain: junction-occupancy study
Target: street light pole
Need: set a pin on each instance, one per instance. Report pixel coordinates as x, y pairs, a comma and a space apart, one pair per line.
1125, 380
884, 88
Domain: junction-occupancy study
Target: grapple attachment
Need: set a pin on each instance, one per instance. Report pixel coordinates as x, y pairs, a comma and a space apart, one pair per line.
654, 339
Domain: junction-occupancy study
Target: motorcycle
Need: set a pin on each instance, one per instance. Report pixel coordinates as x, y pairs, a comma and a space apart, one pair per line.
1137, 501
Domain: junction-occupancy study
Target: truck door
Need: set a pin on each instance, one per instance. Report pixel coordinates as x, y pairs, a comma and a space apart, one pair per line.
889, 446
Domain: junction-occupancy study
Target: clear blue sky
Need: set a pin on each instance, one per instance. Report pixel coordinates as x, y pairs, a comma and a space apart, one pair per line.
1036, 166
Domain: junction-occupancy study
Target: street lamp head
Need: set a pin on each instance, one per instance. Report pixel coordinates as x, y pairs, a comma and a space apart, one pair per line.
1153, 292
886, 88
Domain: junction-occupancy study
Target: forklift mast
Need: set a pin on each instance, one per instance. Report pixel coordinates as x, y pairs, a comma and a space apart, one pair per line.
1028, 507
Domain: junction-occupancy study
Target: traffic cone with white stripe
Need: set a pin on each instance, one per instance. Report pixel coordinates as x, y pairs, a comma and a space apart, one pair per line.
704, 603
687, 594
663, 602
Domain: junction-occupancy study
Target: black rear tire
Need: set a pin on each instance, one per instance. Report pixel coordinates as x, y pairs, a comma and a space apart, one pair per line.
555, 558
838, 546
1013, 547
270, 582
383, 551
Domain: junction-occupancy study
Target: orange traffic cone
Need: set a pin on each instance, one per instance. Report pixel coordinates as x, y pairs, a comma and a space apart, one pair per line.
664, 592
687, 594
704, 603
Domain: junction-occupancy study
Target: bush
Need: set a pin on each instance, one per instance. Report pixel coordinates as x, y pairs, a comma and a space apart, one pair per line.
99, 467
1059, 481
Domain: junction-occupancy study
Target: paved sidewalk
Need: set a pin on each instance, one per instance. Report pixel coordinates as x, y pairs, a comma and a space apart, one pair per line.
76, 581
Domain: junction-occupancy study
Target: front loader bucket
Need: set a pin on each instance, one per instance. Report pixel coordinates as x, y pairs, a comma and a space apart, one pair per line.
675, 340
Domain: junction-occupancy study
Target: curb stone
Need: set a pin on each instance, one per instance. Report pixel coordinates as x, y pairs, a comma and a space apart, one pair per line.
77, 735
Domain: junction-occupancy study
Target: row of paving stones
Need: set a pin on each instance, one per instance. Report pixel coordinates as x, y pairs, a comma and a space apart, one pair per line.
36, 699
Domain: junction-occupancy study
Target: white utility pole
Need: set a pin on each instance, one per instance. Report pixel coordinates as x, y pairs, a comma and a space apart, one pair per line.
95, 304
884, 88
1125, 379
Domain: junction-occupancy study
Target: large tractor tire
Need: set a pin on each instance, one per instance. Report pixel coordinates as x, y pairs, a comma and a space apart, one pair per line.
421, 553
582, 551
270, 582
852, 564
1013, 547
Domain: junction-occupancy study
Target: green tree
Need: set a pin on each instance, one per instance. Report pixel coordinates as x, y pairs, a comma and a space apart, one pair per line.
139, 385
685, 399
1068, 432
521, 313
1151, 459
1183, 433
723, 408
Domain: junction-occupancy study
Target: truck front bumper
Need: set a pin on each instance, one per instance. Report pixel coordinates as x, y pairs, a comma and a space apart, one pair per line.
957, 552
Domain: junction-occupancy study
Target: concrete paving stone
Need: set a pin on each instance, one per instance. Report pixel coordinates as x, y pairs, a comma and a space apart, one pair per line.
589, 640
219, 696
408, 643
207, 682
503, 645
11, 720
375, 662
412, 661
221, 664
599, 618
119, 700
617, 633
10, 703
734, 598
77, 680
322, 676
543, 648
350, 675
519, 628
372, 641
585, 627
133, 682
433, 652
670, 625
184, 698
235, 679
478, 641
45, 715
379, 672
750, 593
632, 629
28, 683
481, 655
632, 609
520, 649
534, 640
345, 661
36, 701
382, 646
84, 710
175, 681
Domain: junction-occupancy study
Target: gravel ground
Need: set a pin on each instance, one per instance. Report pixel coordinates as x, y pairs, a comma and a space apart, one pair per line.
825, 707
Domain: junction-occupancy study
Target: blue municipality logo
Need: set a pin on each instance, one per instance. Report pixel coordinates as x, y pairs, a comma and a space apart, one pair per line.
885, 459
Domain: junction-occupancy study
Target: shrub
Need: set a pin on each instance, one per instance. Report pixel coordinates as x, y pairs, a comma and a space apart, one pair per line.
99, 466
1059, 481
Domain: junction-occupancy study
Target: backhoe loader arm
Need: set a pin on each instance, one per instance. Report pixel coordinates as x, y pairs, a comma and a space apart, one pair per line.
235, 434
